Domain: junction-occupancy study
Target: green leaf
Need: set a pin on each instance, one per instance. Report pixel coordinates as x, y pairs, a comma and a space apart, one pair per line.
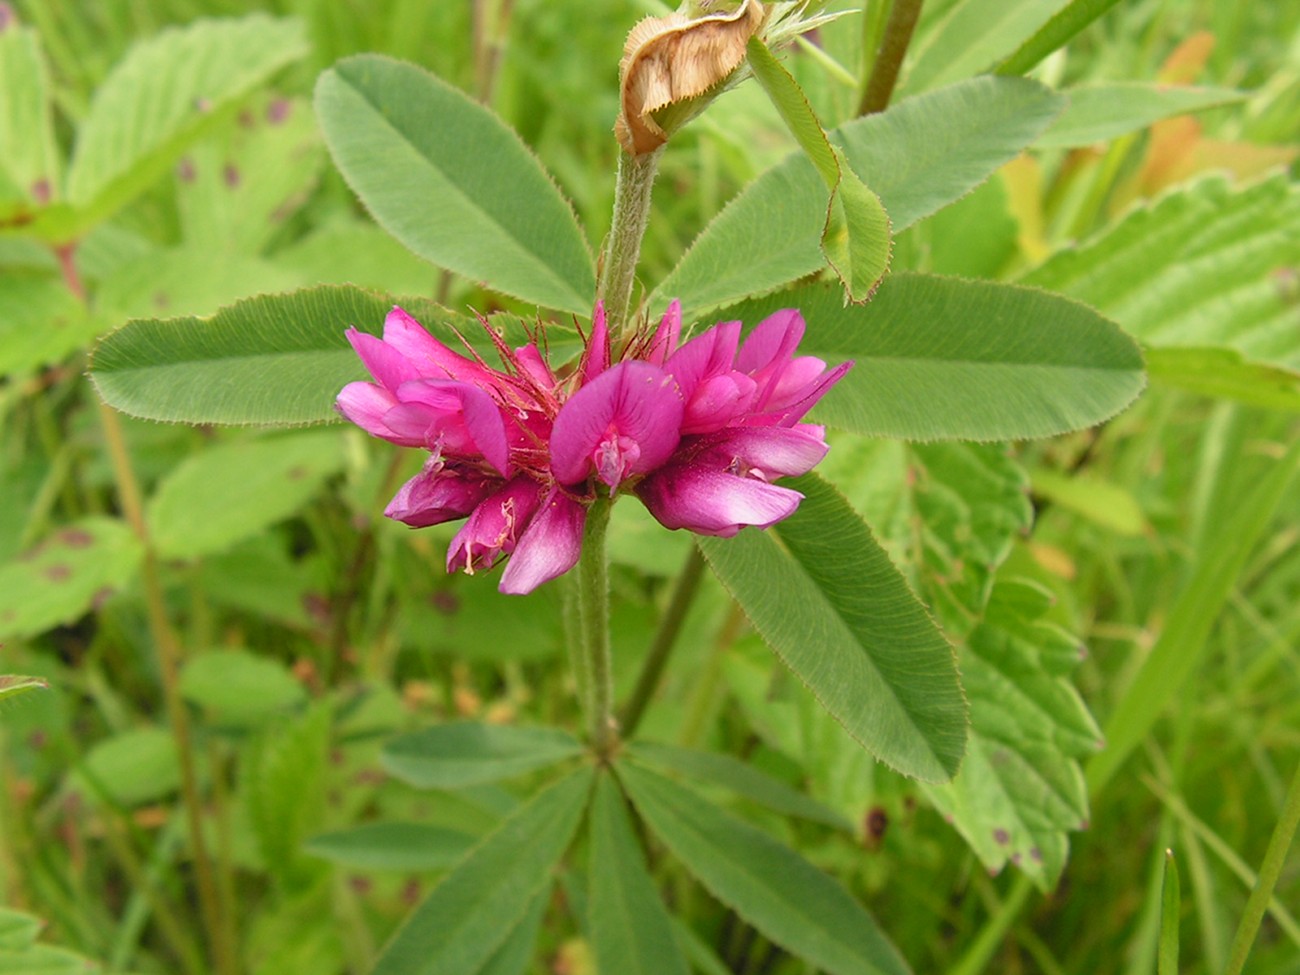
447, 178
1225, 373
769, 885
827, 599
855, 238
1185, 637
392, 846
1099, 113
18, 930
66, 575
237, 190
1068, 22
1205, 265
1104, 503
239, 689
131, 768
30, 161
12, 686
45, 960
630, 930
169, 91
516, 953
1170, 912
472, 912
272, 359
944, 358
230, 492
41, 322
452, 756
918, 156
735, 776
973, 37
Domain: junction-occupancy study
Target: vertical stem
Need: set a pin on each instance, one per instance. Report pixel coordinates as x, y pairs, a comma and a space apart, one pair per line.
889, 60
1269, 871
169, 652
688, 582
636, 177
593, 615
169, 660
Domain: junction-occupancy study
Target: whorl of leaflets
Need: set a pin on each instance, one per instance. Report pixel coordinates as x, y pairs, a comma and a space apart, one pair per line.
698, 431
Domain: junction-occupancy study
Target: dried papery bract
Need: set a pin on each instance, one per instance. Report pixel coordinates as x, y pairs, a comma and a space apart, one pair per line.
673, 60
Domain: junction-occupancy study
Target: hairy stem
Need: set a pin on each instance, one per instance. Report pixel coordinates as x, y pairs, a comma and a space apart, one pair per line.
636, 177
593, 615
688, 583
889, 59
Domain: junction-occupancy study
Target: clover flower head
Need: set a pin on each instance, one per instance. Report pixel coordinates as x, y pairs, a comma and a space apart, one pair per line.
697, 430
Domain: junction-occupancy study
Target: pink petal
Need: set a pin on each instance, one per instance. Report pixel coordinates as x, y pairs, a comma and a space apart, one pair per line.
368, 405
709, 354
550, 546
452, 416
664, 341
385, 362
437, 494
793, 404
765, 452
494, 527
772, 342
624, 422
595, 357
709, 501
533, 364
430, 357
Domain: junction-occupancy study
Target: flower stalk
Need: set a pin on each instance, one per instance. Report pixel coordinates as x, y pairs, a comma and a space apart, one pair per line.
593, 622
632, 191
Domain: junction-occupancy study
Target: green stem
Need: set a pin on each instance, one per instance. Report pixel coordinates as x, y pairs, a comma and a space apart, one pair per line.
995, 930
688, 583
889, 59
636, 177
1269, 871
593, 616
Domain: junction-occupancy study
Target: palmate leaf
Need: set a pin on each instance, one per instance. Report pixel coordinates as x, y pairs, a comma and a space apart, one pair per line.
30, 164
827, 599
272, 359
447, 178
475, 908
401, 847
463, 753
769, 885
1203, 266
918, 157
944, 358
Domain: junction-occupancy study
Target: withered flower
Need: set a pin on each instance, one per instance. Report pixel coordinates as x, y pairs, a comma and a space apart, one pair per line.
670, 63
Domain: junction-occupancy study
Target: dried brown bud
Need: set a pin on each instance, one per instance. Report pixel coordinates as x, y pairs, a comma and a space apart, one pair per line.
672, 60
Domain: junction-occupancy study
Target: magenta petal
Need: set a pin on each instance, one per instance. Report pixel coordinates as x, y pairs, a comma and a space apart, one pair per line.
626, 421
550, 546
494, 527
386, 363
766, 452
772, 341
709, 354
798, 402
368, 405
664, 341
438, 494
432, 358
595, 357
709, 501
456, 417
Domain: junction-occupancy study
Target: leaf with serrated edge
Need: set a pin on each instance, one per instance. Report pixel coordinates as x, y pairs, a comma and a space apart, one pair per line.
1098, 113
827, 599
449, 180
472, 911
918, 157
949, 359
768, 884
271, 359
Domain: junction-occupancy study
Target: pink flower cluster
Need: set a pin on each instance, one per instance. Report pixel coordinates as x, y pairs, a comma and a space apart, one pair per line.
698, 431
